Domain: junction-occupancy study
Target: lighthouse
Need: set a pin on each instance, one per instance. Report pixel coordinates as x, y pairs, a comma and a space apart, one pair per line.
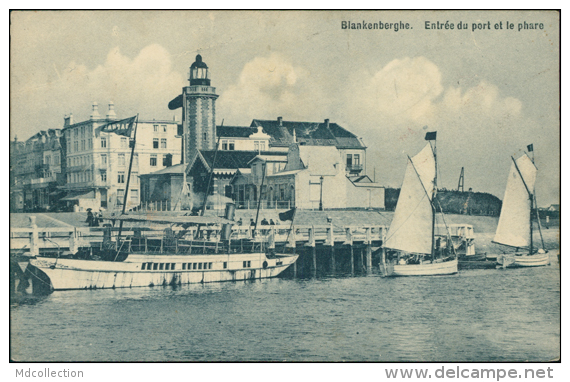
198, 102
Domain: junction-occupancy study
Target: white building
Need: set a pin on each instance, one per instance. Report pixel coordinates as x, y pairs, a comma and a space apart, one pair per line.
98, 161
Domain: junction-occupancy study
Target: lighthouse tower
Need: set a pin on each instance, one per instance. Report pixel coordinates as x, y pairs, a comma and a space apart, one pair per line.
198, 111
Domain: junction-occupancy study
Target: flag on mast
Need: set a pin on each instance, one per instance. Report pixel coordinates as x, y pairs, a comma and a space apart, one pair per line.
123, 127
530, 148
430, 136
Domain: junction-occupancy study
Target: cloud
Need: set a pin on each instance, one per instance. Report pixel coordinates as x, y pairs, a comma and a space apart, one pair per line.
269, 87
410, 91
478, 127
143, 84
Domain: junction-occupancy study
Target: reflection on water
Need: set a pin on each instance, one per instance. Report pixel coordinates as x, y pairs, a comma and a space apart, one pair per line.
477, 315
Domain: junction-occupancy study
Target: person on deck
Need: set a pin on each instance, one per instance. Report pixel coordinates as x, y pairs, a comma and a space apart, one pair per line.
89, 220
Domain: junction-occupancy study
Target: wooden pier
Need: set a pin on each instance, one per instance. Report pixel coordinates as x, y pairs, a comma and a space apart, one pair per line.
327, 247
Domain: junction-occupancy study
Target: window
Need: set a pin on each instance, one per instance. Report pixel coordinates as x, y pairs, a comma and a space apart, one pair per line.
83, 145
76, 146
134, 196
247, 264
232, 145
164, 128
357, 159
82, 131
161, 266
120, 195
121, 159
153, 160
163, 143
154, 266
349, 160
76, 132
183, 266
121, 177
262, 145
135, 159
225, 265
172, 266
194, 265
135, 177
166, 160
103, 142
167, 266
155, 143
103, 175
90, 143
209, 265
199, 265
123, 142
224, 145
205, 136
104, 159
256, 145
143, 266
155, 128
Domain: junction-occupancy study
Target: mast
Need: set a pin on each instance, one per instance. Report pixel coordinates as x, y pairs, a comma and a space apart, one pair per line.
432, 136
134, 142
530, 198
263, 168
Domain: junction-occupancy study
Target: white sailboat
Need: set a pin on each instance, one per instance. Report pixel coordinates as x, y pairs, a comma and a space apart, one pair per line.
411, 248
515, 223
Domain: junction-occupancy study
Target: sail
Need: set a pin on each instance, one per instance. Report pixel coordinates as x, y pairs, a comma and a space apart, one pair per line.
514, 222
411, 227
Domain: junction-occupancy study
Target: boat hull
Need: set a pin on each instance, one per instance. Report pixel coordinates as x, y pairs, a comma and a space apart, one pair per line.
425, 269
516, 261
65, 274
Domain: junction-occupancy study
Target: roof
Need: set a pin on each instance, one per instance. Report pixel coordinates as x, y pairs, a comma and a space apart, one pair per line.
79, 195
284, 173
176, 169
232, 159
270, 158
235, 131
308, 133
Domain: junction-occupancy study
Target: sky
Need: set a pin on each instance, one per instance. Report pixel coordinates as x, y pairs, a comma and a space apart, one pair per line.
487, 92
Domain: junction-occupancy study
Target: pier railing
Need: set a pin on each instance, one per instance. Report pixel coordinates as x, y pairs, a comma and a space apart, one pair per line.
33, 240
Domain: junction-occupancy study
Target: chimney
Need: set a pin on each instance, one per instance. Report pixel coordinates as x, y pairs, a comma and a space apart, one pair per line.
280, 121
68, 120
95, 112
327, 122
111, 113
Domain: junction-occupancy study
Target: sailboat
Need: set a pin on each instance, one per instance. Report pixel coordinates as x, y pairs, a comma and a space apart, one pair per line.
411, 247
515, 223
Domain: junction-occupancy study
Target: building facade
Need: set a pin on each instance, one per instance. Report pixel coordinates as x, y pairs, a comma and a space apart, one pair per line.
98, 161
37, 171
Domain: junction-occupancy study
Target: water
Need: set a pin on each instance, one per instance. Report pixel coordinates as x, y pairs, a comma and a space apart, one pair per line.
477, 315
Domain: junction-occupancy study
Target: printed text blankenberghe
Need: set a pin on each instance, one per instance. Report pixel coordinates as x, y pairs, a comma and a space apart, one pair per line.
376, 25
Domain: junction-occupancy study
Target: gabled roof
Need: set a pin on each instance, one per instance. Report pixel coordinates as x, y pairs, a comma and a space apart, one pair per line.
176, 169
235, 131
308, 133
226, 159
